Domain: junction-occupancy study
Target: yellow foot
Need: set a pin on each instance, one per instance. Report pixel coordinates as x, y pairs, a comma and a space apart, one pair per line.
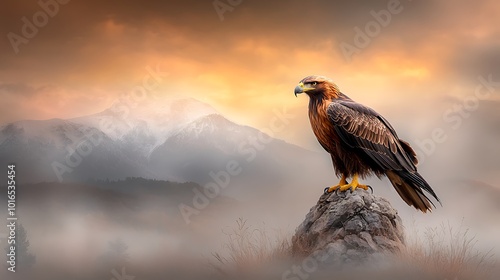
344, 186
336, 187
353, 187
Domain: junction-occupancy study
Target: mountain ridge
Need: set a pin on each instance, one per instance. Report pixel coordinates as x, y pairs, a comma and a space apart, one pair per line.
139, 144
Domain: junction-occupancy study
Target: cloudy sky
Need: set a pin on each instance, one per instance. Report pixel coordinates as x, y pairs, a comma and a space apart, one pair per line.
407, 59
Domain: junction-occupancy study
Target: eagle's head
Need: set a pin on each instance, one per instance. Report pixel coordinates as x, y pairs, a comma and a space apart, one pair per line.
317, 87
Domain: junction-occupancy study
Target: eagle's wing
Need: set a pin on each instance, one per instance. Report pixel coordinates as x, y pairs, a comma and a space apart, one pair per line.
361, 127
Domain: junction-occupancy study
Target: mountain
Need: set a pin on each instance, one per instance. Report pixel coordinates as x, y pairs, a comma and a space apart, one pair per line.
203, 148
145, 126
59, 149
179, 140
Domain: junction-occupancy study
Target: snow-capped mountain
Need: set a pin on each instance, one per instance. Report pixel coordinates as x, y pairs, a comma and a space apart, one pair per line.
179, 140
144, 126
59, 149
203, 148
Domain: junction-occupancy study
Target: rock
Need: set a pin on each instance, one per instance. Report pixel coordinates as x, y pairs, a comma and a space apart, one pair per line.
352, 227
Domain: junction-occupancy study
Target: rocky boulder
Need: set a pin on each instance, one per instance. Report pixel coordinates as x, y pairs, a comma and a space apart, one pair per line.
352, 227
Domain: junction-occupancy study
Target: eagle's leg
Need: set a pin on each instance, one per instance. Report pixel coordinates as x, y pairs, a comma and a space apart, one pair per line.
343, 181
354, 185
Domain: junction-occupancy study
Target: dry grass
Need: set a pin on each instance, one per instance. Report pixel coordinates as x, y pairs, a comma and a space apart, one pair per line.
448, 253
249, 248
439, 253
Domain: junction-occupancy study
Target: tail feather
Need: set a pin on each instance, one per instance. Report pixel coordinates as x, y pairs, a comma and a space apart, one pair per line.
409, 186
409, 151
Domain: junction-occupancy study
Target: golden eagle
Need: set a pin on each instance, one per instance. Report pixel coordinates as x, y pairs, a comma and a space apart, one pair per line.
361, 143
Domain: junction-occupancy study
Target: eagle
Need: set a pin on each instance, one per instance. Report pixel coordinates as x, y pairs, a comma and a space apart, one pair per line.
362, 143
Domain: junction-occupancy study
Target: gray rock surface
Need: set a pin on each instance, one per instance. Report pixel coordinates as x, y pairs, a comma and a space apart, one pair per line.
355, 227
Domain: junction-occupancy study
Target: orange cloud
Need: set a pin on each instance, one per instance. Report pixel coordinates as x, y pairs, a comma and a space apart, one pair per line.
93, 52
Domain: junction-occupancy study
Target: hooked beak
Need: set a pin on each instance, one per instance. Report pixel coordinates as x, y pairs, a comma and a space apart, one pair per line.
299, 89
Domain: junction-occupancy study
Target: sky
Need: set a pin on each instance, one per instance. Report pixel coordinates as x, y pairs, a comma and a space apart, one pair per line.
409, 60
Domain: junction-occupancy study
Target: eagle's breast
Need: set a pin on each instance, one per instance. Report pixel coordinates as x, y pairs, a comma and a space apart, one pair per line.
322, 126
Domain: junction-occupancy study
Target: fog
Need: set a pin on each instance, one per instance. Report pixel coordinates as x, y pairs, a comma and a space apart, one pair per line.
71, 226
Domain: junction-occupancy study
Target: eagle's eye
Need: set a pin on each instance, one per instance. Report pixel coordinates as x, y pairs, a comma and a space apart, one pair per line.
314, 84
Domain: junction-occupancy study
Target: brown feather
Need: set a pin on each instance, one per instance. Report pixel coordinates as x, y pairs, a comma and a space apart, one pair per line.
409, 150
408, 193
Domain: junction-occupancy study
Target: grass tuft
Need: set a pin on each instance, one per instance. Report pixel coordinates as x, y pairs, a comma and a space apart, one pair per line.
248, 248
448, 253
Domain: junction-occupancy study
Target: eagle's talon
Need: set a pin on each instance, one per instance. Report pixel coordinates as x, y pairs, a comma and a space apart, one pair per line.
370, 187
354, 185
325, 191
